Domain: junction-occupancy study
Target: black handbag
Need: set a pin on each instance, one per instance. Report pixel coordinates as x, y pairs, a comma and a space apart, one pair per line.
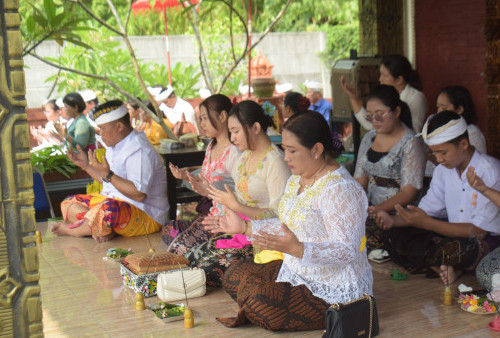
354, 319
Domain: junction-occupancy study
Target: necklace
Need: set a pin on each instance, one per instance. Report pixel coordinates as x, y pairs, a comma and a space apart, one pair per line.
314, 178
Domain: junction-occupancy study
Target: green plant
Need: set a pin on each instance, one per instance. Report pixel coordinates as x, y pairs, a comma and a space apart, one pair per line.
48, 19
53, 159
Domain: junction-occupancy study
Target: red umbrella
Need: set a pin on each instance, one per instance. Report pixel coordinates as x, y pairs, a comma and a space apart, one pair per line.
143, 5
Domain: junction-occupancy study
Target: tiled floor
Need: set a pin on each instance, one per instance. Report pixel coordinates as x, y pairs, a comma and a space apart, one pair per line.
83, 295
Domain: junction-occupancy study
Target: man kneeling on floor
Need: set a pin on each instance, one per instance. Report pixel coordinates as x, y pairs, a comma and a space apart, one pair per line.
133, 200
417, 238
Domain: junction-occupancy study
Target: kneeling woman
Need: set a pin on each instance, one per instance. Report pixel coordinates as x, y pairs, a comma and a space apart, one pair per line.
320, 230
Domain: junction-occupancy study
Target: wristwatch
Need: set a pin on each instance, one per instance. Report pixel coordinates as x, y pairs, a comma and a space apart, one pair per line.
107, 178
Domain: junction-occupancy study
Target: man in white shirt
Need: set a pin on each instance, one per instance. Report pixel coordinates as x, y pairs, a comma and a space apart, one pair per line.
472, 226
133, 200
174, 107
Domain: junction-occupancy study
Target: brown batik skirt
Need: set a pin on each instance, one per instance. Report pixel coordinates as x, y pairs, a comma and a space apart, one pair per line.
269, 304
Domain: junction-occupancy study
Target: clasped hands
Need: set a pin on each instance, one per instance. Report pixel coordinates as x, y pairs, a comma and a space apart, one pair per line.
411, 216
232, 223
80, 159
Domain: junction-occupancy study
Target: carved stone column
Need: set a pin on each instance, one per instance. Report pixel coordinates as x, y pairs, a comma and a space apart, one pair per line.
381, 29
20, 307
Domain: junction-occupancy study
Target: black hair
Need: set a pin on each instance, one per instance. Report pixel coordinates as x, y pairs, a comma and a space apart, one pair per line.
460, 96
297, 102
398, 65
96, 101
53, 104
215, 105
75, 100
248, 113
441, 119
310, 127
390, 98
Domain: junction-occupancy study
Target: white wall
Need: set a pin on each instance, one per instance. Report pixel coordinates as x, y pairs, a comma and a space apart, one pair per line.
294, 56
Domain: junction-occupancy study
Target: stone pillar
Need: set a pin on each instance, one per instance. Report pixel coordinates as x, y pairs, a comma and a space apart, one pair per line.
381, 27
20, 307
492, 75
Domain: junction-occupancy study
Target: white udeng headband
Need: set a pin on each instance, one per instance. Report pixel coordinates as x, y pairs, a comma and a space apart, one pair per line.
164, 94
448, 132
112, 115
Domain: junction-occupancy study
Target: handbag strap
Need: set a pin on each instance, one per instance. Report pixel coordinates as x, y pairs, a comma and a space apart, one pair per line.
370, 300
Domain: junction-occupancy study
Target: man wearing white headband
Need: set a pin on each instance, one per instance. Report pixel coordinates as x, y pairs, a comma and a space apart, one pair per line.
173, 107
318, 103
133, 200
454, 225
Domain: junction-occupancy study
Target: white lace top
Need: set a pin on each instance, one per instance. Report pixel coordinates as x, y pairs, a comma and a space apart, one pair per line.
329, 218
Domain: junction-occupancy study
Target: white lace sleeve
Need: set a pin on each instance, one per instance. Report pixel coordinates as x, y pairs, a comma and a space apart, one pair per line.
270, 225
360, 116
343, 207
413, 164
363, 149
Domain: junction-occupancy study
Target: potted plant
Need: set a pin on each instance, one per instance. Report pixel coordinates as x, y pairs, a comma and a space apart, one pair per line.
55, 165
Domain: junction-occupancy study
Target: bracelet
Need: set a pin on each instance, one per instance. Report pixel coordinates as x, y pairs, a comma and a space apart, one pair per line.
246, 228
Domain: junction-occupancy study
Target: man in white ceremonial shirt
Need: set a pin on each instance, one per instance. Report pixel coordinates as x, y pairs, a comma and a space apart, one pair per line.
133, 200
454, 225
174, 107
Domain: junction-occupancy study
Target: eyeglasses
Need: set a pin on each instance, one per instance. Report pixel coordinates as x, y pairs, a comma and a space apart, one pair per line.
378, 116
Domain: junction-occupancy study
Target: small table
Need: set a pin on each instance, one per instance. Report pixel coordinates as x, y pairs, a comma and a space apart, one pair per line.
186, 157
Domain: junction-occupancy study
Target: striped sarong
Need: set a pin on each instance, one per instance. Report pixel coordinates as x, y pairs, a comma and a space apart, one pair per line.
269, 304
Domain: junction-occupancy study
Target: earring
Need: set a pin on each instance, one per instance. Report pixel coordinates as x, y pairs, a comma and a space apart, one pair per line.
316, 157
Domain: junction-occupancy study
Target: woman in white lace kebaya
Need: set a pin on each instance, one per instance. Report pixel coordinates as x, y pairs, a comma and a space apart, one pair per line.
320, 230
391, 160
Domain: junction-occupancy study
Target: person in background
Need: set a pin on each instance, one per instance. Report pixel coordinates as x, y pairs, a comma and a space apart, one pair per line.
459, 100
453, 226
396, 71
293, 103
133, 200
320, 231
45, 135
133, 111
174, 107
318, 103
79, 132
391, 160
153, 131
91, 102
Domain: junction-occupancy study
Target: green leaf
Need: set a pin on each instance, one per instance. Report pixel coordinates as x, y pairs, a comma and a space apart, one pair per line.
50, 9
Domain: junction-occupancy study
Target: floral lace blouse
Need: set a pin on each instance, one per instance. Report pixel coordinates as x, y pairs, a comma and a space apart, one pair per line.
329, 218
263, 186
405, 163
218, 172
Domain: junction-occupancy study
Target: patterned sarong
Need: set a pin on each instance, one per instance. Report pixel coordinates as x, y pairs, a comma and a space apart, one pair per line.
268, 304
107, 215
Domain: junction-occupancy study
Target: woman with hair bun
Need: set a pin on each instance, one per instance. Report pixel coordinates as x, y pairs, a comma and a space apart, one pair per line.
293, 103
320, 231
459, 100
391, 161
396, 71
